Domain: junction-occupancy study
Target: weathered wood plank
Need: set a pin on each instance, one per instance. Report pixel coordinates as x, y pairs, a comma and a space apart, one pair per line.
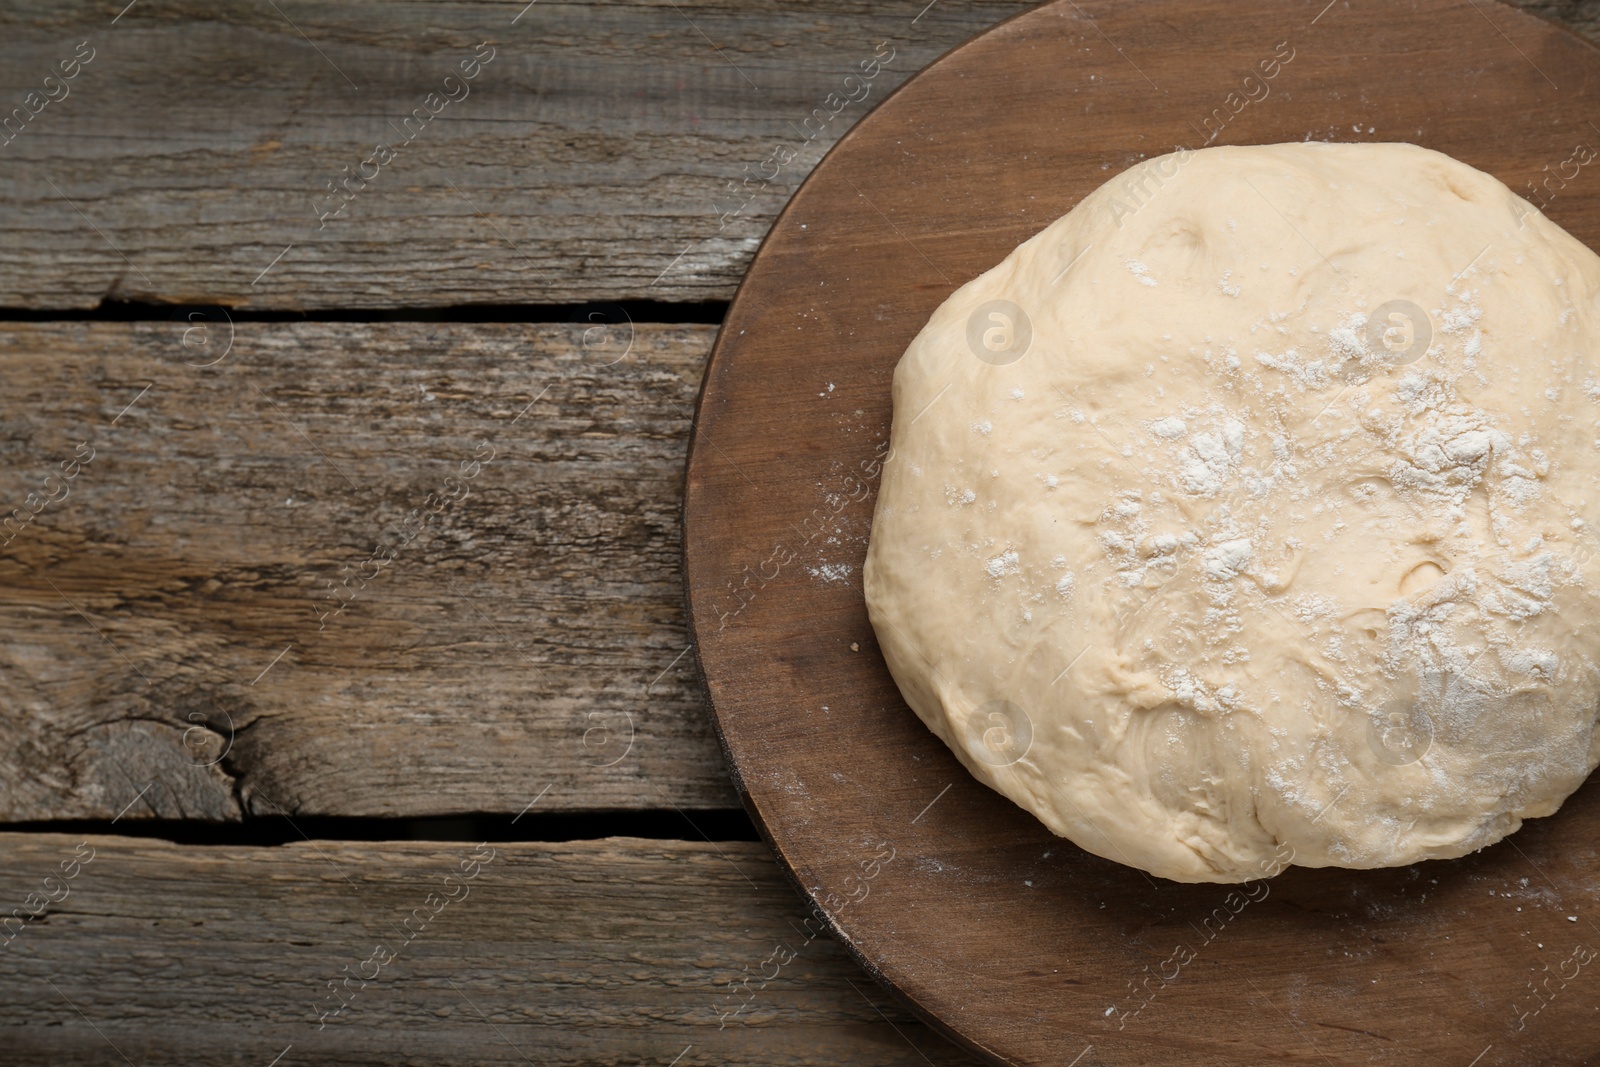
593, 157
605, 952
190, 614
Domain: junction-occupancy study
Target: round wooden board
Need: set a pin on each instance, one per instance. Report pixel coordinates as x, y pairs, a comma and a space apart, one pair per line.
1017, 943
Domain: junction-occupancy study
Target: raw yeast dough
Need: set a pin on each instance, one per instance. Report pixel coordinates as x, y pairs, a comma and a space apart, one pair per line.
1243, 513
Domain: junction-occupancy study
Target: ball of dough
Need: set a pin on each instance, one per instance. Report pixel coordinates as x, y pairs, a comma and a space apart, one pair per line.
1242, 514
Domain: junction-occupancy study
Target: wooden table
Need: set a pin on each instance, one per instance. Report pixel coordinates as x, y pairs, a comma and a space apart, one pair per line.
349, 357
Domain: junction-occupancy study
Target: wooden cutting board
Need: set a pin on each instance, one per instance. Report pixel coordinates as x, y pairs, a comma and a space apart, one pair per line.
1016, 943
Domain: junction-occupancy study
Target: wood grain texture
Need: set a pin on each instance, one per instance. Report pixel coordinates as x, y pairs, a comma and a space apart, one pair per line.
528, 638
1023, 945
607, 952
591, 158
607, 151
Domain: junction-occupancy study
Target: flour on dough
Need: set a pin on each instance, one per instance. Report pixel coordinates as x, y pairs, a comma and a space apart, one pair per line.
1245, 509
